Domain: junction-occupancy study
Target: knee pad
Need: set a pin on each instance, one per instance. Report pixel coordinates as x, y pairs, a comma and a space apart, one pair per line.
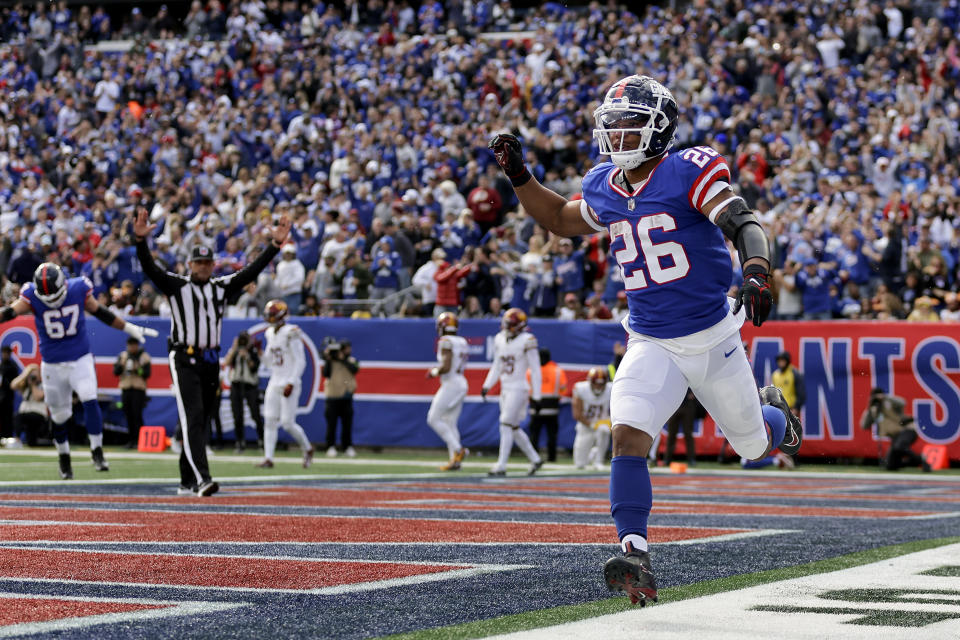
60, 415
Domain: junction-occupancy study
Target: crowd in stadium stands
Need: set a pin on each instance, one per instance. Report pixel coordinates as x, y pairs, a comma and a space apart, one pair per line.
367, 123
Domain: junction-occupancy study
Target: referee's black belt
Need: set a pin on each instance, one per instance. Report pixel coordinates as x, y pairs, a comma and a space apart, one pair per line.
211, 354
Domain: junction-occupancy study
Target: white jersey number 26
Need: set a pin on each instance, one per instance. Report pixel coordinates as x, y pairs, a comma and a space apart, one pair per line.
633, 276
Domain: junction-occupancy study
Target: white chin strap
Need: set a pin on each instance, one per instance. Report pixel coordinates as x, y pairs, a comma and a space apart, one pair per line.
54, 300
628, 160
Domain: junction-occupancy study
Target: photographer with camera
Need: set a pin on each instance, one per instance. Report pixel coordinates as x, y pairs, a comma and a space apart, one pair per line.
340, 374
32, 415
133, 369
887, 412
243, 359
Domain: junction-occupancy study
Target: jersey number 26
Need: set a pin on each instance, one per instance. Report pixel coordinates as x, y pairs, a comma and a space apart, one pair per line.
636, 240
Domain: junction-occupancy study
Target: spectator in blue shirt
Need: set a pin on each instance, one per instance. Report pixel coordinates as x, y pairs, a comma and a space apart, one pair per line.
854, 265
386, 272
568, 266
814, 284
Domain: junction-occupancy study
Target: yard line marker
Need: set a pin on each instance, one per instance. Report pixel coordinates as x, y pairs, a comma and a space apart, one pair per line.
171, 608
334, 590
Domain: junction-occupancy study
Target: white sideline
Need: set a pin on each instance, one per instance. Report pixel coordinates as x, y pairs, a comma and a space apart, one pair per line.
731, 615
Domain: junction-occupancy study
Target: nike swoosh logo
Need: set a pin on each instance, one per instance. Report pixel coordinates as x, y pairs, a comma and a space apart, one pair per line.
794, 439
729, 353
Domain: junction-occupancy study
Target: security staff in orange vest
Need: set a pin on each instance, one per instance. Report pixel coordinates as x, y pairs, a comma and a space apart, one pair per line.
554, 385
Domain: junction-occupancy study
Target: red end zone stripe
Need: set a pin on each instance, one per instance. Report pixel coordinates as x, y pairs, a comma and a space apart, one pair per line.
411, 381
202, 571
176, 527
26, 610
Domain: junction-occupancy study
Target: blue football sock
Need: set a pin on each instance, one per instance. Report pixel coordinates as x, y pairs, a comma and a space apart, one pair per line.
631, 495
92, 417
61, 431
777, 421
758, 464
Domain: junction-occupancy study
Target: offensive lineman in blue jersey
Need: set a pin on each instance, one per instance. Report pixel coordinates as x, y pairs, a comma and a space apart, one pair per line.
66, 366
667, 215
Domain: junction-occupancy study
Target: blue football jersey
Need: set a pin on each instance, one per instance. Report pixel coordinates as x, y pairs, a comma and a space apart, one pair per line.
63, 329
674, 261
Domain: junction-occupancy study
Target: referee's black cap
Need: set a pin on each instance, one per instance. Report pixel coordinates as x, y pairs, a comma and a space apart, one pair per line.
201, 252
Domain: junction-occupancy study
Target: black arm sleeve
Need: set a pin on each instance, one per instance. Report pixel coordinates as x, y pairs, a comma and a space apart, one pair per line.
352, 365
104, 315
327, 367
7, 313
741, 226
166, 282
250, 272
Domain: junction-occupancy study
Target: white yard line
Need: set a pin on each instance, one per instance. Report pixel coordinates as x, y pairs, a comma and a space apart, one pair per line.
734, 615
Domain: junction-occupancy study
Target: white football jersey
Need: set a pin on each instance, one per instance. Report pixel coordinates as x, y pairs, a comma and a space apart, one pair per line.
595, 406
284, 354
511, 359
459, 356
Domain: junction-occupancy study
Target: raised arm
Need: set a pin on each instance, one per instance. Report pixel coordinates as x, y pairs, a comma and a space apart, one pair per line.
166, 282
18, 383
236, 282
553, 211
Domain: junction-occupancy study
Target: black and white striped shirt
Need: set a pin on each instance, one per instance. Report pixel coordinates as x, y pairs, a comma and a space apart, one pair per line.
197, 308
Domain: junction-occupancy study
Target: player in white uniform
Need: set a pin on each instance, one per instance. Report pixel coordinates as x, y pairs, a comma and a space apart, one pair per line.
284, 355
591, 410
514, 351
452, 356
667, 216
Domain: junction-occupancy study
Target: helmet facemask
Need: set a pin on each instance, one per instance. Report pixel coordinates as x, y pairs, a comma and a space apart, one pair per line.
636, 121
624, 122
55, 299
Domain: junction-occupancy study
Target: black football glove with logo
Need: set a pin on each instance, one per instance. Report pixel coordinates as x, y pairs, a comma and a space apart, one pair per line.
755, 296
509, 154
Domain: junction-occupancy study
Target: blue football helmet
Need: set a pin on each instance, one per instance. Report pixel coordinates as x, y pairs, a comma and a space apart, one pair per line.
641, 106
51, 284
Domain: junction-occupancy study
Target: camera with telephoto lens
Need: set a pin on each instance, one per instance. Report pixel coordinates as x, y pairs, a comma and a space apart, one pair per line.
331, 346
243, 339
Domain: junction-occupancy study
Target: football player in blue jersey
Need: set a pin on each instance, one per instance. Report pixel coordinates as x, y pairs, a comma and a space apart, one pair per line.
666, 215
58, 304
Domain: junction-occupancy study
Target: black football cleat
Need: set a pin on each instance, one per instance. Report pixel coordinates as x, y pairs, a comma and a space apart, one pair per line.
496, 473
66, 469
534, 467
793, 437
98, 461
207, 489
631, 574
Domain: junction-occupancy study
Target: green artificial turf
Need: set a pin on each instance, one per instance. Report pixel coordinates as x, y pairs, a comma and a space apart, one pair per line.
571, 613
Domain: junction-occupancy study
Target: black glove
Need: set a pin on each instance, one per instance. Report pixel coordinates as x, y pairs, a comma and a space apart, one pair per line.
755, 294
509, 154
535, 405
483, 394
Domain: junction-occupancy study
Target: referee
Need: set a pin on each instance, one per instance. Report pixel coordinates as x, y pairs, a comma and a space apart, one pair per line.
196, 306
